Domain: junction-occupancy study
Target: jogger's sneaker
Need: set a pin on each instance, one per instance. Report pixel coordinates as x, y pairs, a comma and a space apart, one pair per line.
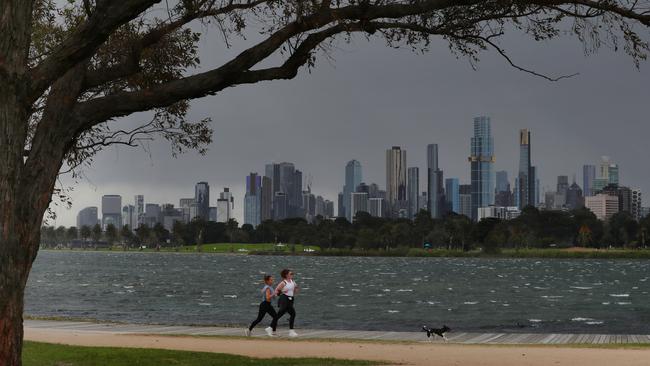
269, 331
247, 332
292, 333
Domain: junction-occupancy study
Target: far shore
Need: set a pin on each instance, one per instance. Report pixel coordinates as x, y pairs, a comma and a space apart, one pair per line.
310, 250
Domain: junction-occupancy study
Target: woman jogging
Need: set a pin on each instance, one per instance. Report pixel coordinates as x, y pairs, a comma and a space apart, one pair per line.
287, 289
265, 306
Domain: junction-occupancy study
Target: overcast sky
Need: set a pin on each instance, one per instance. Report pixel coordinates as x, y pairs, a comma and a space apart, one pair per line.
371, 97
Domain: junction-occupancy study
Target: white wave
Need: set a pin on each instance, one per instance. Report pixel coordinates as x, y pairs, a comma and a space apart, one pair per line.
346, 306
623, 303
393, 311
470, 302
595, 323
535, 320
619, 295
605, 303
405, 290
581, 319
205, 304
230, 296
581, 287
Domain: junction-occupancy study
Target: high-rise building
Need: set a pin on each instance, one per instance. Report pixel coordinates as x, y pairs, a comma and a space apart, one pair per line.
129, 217
171, 215
588, 176
525, 178
538, 192
353, 177
503, 184
435, 183
202, 200
111, 210
341, 205
604, 206
637, 204
482, 162
608, 172
503, 195
189, 208
465, 199
280, 206
376, 207
266, 200
288, 180
413, 190
139, 210
225, 206
213, 214
423, 201
396, 181
561, 191
152, 215
574, 197
87, 217
358, 203
452, 194
252, 200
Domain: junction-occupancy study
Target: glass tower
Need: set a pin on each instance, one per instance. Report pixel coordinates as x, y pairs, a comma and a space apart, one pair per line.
353, 177
482, 165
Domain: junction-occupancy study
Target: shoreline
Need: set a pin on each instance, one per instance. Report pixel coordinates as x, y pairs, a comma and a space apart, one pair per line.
569, 253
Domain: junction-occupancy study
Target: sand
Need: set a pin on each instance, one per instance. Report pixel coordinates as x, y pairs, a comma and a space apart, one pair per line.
398, 354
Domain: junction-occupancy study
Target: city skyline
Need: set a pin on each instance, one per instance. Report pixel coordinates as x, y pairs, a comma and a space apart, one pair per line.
566, 114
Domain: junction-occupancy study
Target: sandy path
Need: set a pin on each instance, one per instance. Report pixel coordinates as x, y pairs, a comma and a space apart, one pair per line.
410, 354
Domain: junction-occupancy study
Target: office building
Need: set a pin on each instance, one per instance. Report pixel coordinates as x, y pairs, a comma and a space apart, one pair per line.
111, 211
452, 194
202, 200
152, 214
396, 181
130, 217
435, 184
189, 208
413, 190
252, 200
376, 207
498, 212
266, 200
225, 206
525, 179
139, 210
353, 177
574, 197
465, 199
280, 206
87, 217
588, 177
482, 162
358, 203
170, 216
637, 204
604, 206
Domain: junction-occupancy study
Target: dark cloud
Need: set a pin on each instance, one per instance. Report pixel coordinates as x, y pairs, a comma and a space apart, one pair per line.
372, 97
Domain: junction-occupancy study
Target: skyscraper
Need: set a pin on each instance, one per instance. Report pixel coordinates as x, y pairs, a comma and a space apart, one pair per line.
574, 197
435, 187
353, 177
396, 180
252, 200
482, 162
111, 211
452, 194
202, 199
266, 200
503, 184
225, 206
526, 182
465, 199
358, 203
588, 176
139, 208
503, 196
413, 191
87, 217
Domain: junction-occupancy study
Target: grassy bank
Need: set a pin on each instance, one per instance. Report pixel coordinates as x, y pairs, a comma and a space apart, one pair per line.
219, 248
44, 354
570, 253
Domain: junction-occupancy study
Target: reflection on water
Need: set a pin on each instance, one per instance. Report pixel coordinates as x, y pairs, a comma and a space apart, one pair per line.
468, 294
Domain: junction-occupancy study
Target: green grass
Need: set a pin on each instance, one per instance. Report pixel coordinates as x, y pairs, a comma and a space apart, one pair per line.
45, 354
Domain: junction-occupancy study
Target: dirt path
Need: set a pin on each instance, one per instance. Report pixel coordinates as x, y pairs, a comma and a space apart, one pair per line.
409, 354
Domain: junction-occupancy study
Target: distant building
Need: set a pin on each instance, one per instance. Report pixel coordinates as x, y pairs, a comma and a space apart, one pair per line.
525, 178
189, 208
637, 204
87, 217
353, 177
561, 191
465, 199
287, 180
435, 183
376, 207
329, 209
452, 194
358, 203
225, 206
503, 184
423, 201
202, 200
604, 206
503, 213
111, 210
152, 215
280, 206
130, 217
396, 181
574, 197
252, 200
413, 190
139, 210
170, 215
482, 162
588, 176
213, 214
341, 205
266, 201
645, 211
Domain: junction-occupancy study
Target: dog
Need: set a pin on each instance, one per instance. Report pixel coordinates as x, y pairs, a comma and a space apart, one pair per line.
432, 332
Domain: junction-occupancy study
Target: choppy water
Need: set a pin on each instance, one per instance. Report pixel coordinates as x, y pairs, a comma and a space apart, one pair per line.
468, 294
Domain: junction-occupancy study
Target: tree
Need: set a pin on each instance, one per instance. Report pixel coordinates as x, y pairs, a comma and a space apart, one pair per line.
142, 233
85, 233
71, 234
127, 237
67, 75
97, 233
111, 234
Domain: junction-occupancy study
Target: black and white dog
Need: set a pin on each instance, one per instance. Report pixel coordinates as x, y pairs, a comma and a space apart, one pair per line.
432, 332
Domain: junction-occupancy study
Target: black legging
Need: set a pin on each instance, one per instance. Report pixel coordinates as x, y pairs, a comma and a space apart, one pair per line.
285, 303
265, 307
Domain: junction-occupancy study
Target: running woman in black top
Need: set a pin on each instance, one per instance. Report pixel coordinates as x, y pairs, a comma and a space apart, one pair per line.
265, 306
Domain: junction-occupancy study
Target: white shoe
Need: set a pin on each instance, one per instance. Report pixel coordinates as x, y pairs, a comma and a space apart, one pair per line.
292, 333
247, 332
269, 331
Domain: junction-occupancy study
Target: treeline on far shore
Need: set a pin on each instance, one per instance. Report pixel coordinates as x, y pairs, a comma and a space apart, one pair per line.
367, 235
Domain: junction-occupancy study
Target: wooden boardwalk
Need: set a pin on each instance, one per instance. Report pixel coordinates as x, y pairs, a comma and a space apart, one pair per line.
454, 337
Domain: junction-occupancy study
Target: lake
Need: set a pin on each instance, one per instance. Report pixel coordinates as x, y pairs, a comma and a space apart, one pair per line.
398, 294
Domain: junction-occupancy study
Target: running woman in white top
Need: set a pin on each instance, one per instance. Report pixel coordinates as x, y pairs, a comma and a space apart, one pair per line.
287, 289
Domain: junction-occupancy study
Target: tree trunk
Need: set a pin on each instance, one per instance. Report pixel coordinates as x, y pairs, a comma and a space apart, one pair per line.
12, 285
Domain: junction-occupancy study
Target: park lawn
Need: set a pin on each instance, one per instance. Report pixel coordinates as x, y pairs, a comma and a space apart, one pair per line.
244, 248
45, 354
